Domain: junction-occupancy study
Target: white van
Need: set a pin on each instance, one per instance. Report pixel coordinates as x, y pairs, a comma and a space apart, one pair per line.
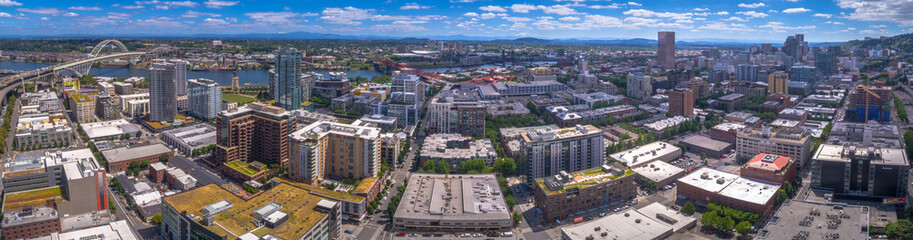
507, 234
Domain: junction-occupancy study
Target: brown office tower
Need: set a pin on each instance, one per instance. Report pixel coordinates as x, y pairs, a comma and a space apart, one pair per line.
665, 52
254, 132
681, 102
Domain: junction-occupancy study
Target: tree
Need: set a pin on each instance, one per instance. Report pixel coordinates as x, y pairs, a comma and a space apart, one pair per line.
505, 165
743, 228
429, 166
442, 167
517, 217
688, 209
157, 219
909, 212
164, 158
473, 166
709, 219
901, 229
725, 224
781, 196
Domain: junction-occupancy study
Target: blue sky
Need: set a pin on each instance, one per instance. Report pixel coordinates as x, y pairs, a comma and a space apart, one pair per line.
820, 20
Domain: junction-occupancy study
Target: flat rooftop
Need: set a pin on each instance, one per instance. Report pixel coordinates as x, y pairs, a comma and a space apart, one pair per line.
516, 132
109, 128
639, 224
645, 153
706, 142
199, 135
839, 153
237, 220
730, 185
321, 128
658, 171
455, 146
726, 126
112, 231
128, 153
581, 179
549, 134
811, 220
453, 197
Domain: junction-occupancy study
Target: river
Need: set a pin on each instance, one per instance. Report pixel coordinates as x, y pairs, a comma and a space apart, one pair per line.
259, 76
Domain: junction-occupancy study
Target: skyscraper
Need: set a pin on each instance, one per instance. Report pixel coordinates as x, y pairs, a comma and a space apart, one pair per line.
254, 132
180, 77
795, 47
406, 98
286, 85
778, 82
334, 150
681, 102
826, 61
162, 95
205, 98
640, 86
747, 72
665, 52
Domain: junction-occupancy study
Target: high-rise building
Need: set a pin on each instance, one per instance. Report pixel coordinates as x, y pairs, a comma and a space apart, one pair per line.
681, 102
869, 103
826, 61
256, 131
180, 77
803, 73
766, 48
747, 72
162, 92
861, 171
307, 85
235, 81
787, 142
205, 98
406, 99
778, 82
665, 52
286, 83
334, 150
640, 86
795, 47
457, 111
550, 151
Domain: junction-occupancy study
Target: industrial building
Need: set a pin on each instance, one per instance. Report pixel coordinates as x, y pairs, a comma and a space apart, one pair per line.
453, 202
109, 130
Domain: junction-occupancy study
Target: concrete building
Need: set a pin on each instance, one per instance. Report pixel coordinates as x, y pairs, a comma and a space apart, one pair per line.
769, 168
119, 230
788, 142
509, 109
651, 222
525, 88
747, 72
162, 91
106, 87
639, 86
134, 104
391, 147
681, 102
42, 102
334, 150
457, 111
566, 195
861, 171
121, 88
255, 131
726, 131
83, 106
803, 73
105, 107
211, 212
707, 185
36, 131
455, 148
591, 99
865, 134
451, 202
205, 98
188, 139
30, 222
574, 115
655, 151
286, 89
659, 172
43, 169
407, 98
701, 144
731, 102
778, 82
552, 150
798, 219
119, 158
109, 130
665, 51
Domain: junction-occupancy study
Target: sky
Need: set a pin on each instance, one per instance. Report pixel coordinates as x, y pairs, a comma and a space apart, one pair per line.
773, 20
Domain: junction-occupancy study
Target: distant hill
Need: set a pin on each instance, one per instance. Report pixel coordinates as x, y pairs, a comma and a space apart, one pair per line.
903, 42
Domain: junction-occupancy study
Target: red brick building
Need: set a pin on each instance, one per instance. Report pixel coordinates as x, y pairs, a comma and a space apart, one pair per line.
769, 167
157, 172
369, 188
726, 131
708, 185
119, 159
562, 195
30, 222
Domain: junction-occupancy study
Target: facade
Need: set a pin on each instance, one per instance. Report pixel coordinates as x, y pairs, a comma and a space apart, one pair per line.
334, 150
211, 212
457, 112
708, 185
205, 98
726, 131
106, 108
42, 169
574, 115
83, 106
861, 171
731, 102
769, 168
803, 73
562, 195
162, 92
406, 98
452, 202
41, 131
307, 84
119, 159
121, 88
43, 102
455, 148
681, 102
778, 82
747, 72
665, 51
549, 150
286, 87
788, 142
639, 86
255, 131
524, 88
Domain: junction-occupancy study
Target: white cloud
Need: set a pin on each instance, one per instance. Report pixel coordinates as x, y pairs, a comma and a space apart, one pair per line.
400, 26
792, 0
517, 19
79, 8
796, 10
635, 4
522, 8
700, 9
878, 26
753, 14
897, 11
722, 13
195, 14
409, 6
873, 32
42, 10
612, 6
739, 19
273, 17
9, 3
834, 22
471, 14
70, 14
727, 27
492, 8
345, 16
487, 16
215, 22
216, 4
824, 15
753, 5
165, 5
5, 15
44, 18
558, 9
569, 19
648, 13
779, 27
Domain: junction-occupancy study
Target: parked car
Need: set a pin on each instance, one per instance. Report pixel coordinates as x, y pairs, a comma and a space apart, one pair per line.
465, 235
507, 234
349, 232
401, 234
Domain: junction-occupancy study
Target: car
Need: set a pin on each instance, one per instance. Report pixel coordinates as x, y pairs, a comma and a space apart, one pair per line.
349, 232
477, 235
602, 214
413, 235
438, 235
426, 235
507, 234
674, 207
492, 234
465, 235
401, 234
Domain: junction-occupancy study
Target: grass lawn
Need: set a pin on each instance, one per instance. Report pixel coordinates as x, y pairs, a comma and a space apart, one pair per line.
242, 167
238, 98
